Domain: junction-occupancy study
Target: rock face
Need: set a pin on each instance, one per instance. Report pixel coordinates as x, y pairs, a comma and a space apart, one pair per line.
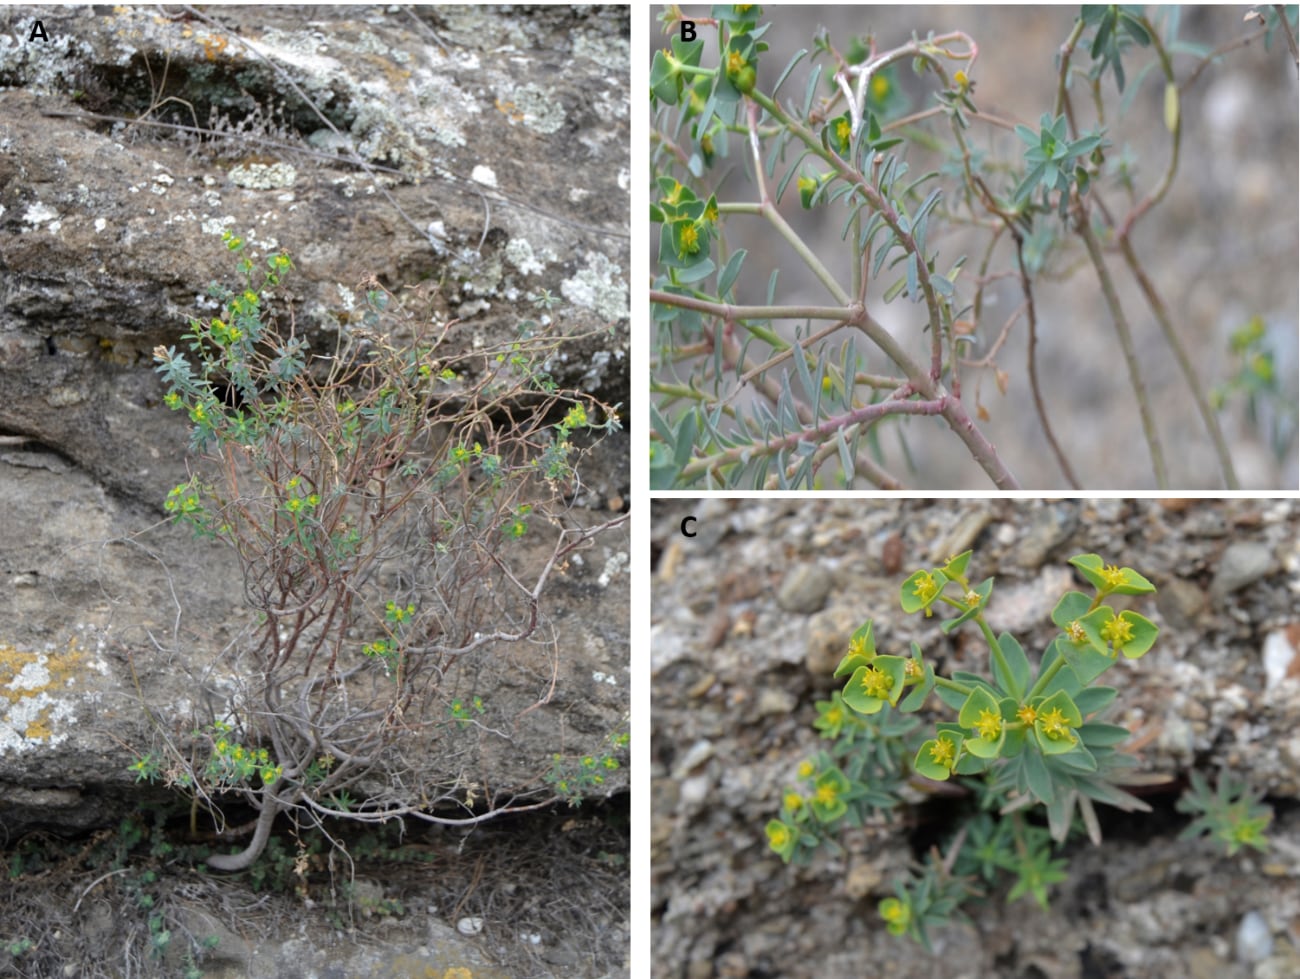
480, 154
463, 173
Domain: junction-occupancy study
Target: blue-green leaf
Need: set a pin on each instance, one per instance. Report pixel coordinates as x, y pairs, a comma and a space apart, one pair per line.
729, 273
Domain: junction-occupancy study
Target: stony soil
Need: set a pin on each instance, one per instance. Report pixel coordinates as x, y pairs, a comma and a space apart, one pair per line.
751, 617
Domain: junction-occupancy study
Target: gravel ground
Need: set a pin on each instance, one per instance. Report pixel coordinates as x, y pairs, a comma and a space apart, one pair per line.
751, 616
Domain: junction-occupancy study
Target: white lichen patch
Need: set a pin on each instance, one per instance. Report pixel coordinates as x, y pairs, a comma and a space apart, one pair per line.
39, 213
535, 108
301, 49
62, 395
598, 287
214, 226
484, 175
329, 141
519, 253
595, 374
614, 565
612, 52
437, 235
33, 704
259, 176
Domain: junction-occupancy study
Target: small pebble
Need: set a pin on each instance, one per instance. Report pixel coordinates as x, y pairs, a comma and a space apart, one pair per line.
1049, 527
1242, 564
1278, 654
805, 589
962, 537
1254, 940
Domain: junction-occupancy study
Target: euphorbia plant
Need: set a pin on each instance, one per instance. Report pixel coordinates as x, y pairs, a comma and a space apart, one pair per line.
758, 386
1032, 737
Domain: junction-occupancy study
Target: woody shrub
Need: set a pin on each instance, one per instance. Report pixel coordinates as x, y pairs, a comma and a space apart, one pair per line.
379, 499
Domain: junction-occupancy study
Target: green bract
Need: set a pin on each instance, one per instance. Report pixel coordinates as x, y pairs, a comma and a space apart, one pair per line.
873, 685
984, 716
1023, 735
922, 589
1108, 579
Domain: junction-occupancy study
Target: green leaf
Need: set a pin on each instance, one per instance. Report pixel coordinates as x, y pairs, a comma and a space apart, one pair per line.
862, 650
1078, 760
846, 457
1129, 633
829, 806
1109, 580
864, 678
729, 273
811, 387
1029, 184
810, 186
702, 269
665, 82
1053, 728
1135, 28
661, 424
1038, 779
811, 91
1017, 682
894, 667
837, 133
684, 440
1094, 699
782, 838
978, 700
1144, 635
786, 74
1027, 135
1098, 735
1086, 662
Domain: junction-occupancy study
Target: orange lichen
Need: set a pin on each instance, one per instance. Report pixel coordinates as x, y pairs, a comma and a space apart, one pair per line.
510, 110
214, 47
25, 675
